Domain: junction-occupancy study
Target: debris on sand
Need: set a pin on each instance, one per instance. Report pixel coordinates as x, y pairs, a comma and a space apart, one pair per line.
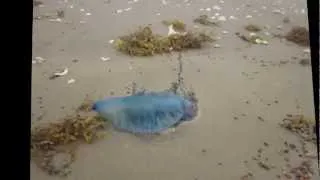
53, 146
286, 20
252, 38
298, 35
264, 165
247, 176
252, 28
177, 25
300, 126
144, 42
38, 60
304, 62
59, 73
60, 13
85, 106
204, 20
303, 171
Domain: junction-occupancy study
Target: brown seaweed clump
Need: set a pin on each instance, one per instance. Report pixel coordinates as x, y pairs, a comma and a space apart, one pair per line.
144, 42
71, 129
298, 35
204, 20
50, 144
252, 28
299, 125
252, 38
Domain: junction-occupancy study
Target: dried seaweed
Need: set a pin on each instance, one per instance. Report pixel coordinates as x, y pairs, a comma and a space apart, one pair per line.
50, 141
177, 25
252, 28
298, 35
144, 42
204, 20
252, 38
299, 125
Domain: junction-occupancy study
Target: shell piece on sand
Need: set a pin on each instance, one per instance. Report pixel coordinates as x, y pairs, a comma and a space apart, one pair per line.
145, 113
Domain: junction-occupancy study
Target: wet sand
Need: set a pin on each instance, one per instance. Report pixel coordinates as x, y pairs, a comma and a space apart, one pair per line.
235, 84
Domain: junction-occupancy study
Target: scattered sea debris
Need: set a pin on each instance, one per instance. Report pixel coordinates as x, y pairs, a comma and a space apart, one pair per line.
304, 62
303, 171
60, 13
177, 25
144, 42
286, 20
253, 38
204, 20
38, 60
71, 81
298, 35
105, 58
300, 126
59, 73
247, 176
53, 146
222, 18
252, 28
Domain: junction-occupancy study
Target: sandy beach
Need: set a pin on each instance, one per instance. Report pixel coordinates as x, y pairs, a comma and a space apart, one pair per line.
244, 91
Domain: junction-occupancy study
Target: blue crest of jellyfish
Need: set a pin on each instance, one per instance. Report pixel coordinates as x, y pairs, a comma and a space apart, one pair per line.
146, 112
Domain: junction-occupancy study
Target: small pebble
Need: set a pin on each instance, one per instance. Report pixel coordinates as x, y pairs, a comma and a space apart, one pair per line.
88, 14
105, 58
248, 16
232, 18
222, 18
225, 32
70, 81
216, 8
119, 11
75, 60
307, 51
208, 9
217, 46
111, 41
260, 118
82, 10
